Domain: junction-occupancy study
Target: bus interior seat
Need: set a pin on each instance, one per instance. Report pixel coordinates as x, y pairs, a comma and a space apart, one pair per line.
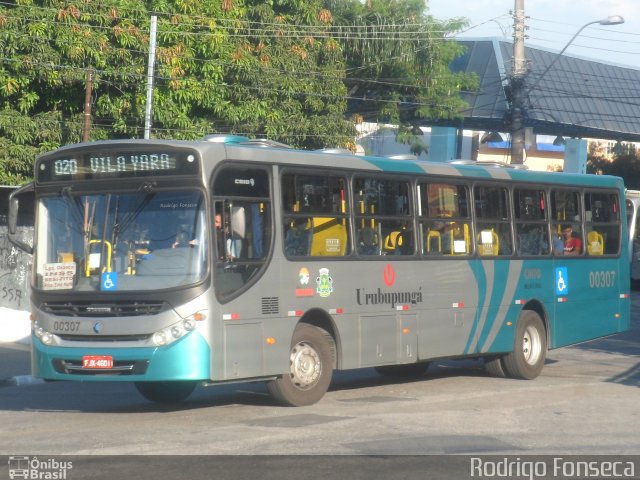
488, 243
391, 241
404, 243
434, 242
595, 243
329, 237
460, 233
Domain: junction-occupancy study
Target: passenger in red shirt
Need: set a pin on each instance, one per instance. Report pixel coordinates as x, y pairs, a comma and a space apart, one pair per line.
572, 243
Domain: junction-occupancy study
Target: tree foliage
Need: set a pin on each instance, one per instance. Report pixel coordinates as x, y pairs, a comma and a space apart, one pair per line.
277, 68
625, 163
398, 63
235, 66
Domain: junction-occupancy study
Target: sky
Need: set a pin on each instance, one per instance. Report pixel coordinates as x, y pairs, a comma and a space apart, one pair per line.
552, 23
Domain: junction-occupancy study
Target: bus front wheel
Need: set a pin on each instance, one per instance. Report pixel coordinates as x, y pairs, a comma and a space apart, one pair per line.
311, 361
530, 348
166, 392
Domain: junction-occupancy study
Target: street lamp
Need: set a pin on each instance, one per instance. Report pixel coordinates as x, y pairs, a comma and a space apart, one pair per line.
518, 92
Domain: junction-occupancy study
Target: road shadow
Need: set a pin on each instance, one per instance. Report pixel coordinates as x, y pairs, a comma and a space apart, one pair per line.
626, 344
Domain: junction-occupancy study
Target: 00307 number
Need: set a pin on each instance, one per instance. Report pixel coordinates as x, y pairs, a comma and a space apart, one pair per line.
602, 279
66, 326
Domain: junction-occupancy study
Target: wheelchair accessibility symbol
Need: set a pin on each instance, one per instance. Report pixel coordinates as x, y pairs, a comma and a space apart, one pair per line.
109, 281
562, 281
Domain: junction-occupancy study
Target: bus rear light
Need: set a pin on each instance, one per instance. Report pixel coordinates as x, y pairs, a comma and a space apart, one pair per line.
624, 295
336, 311
230, 316
520, 302
295, 313
402, 307
405, 330
270, 341
457, 305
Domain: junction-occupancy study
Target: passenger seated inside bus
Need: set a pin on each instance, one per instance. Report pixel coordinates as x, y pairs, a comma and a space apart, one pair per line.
368, 241
572, 241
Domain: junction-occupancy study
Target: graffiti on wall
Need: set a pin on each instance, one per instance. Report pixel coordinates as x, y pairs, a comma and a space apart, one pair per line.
15, 267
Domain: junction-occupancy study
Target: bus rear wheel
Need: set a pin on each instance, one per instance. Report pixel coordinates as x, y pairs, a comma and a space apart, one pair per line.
530, 348
494, 366
166, 392
311, 361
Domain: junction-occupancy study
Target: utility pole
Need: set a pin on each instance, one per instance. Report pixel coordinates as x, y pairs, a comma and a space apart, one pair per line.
150, 68
88, 87
517, 85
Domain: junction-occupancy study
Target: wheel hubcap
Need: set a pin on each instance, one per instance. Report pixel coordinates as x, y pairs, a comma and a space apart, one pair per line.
531, 345
306, 366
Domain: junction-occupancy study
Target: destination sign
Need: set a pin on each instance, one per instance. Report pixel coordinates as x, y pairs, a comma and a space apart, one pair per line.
96, 165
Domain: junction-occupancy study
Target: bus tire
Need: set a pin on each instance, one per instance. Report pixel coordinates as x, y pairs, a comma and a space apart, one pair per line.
530, 348
494, 366
311, 360
166, 392
409, 370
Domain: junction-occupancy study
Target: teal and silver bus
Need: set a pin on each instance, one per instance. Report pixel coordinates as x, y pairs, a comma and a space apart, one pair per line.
174, 263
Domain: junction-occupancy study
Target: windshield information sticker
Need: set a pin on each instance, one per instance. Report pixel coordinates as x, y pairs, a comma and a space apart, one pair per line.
58, 276
109, 281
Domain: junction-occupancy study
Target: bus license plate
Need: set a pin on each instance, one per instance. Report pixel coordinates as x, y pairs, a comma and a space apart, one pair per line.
97, 361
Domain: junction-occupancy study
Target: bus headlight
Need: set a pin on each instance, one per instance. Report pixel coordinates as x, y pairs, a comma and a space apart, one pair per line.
160, 338
173, 332
44, 336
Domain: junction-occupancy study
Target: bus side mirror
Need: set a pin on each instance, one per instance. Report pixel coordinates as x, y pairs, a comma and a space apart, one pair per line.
14, 207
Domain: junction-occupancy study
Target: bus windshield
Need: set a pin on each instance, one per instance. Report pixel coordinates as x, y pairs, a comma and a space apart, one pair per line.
121, 241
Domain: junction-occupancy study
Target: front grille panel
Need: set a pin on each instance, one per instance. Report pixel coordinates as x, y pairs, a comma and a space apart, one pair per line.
129, 308
103, 338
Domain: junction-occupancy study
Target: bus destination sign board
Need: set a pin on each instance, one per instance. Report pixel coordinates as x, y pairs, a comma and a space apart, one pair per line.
92, 165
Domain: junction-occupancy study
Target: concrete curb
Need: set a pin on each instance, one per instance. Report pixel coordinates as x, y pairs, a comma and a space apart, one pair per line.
21, 381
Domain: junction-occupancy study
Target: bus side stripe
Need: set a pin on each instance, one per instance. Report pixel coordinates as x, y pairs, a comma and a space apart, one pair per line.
515, 269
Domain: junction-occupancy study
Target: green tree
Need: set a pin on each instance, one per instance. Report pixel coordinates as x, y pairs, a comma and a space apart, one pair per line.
281, 69
398, 61
233, 66
625, 163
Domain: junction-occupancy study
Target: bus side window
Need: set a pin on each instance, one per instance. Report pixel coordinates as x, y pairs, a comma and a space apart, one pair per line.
444, 219
383, 216
602, 215
321, 198
494, 225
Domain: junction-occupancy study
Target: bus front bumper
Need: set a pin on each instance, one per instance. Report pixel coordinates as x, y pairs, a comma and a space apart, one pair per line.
186, 359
